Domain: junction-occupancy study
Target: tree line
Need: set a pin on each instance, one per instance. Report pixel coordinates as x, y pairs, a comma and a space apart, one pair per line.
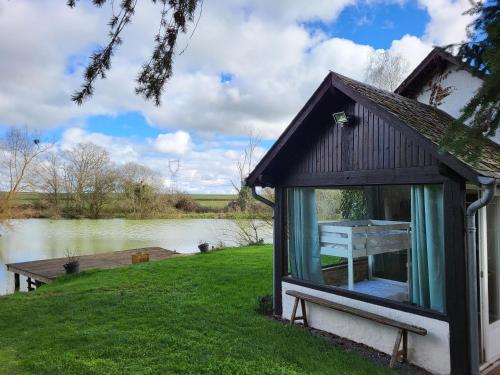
81, 181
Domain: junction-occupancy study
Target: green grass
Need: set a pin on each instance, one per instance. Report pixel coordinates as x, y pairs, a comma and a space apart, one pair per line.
213, 204
213, 200
329, 260
214, 197
182, 315
26, 197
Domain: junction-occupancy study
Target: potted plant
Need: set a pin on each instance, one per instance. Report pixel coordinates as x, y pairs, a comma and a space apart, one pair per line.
72, 264
203, 246
140, 257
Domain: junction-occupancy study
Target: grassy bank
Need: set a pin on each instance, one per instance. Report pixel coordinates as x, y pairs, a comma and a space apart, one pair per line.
183, 315
204, 206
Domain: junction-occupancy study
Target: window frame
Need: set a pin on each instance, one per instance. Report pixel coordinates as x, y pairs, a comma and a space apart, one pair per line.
401, 306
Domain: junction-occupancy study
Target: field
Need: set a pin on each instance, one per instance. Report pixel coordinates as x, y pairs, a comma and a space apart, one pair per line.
213, 200
205, 200
187, 315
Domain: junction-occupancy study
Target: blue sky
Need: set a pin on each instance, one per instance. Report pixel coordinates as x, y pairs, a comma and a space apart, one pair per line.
379, 25
249, 68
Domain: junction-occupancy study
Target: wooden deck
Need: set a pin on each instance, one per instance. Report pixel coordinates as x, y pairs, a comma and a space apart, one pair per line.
45, 271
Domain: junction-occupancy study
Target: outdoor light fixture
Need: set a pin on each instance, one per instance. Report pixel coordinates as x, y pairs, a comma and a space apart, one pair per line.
341, 118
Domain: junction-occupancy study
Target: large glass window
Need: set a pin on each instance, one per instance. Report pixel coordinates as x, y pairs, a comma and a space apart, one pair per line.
384, 241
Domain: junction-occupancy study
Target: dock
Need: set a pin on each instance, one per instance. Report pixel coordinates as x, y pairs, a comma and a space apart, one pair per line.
39, 272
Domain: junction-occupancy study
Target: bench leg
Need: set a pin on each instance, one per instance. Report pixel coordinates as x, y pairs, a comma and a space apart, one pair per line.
304, 314
294, 311
294, 316
405, 346
395, 351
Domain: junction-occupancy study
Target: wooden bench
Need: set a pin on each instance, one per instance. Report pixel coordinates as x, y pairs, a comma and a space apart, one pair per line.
403, 328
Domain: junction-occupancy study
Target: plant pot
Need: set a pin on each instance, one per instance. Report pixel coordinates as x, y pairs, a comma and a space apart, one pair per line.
140, 258
203, 247
72, 267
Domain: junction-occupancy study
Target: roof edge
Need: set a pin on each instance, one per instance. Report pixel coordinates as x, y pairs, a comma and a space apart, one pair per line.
420, 67
253, 177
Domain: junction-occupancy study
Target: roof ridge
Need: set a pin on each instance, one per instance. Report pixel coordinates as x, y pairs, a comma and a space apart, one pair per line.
432, 128
399, 96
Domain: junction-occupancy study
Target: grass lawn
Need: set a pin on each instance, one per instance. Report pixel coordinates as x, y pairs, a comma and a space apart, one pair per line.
213, 200
182, 315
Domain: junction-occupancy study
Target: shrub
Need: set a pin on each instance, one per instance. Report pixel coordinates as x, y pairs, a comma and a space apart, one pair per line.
265, 305
72, 212
185, 203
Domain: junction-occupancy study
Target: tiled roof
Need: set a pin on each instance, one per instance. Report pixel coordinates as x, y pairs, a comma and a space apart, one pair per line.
428, 121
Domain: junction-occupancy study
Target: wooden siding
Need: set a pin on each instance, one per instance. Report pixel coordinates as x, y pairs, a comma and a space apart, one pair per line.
368, 144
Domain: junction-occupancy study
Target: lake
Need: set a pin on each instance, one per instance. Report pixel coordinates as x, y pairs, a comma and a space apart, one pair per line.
33, 239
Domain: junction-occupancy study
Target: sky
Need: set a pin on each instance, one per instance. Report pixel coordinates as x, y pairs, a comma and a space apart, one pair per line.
247, 70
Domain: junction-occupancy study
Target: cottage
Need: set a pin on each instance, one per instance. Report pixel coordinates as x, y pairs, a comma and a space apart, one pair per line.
378, 234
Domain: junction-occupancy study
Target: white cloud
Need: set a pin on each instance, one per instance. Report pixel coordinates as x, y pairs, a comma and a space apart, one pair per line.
121, 150
412, 48
173, 143
447, 21
274, 61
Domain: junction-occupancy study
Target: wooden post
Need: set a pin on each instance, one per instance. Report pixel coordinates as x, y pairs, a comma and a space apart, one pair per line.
405, 346
304, 314
16, 282
30, 288
455, 273
350, 262
279, 250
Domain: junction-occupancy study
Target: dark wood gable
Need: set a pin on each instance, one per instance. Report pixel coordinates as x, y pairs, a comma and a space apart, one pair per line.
325, 153
392, 140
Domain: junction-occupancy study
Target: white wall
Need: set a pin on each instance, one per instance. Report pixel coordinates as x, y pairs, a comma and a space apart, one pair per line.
431, 352
463, 86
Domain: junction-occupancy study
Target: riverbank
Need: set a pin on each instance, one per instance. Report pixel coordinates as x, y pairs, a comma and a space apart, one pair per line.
195, 206
183, 315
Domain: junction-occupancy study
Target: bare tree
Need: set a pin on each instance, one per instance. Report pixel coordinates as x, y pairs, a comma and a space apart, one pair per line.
386, 70
256, 222
103, 183
19, 150
50, 175
244, 166
251, 231
90, 176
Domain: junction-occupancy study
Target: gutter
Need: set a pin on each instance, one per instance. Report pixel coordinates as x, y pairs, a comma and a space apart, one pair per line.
489, 185
260, 198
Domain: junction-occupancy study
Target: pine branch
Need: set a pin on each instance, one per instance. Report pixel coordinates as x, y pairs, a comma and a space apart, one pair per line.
154, 74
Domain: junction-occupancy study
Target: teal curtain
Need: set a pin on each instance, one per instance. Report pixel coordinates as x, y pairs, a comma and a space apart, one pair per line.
427, 286
303, 235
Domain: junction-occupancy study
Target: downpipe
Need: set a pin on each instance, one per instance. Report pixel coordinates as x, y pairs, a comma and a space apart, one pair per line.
489, 185
260, 198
